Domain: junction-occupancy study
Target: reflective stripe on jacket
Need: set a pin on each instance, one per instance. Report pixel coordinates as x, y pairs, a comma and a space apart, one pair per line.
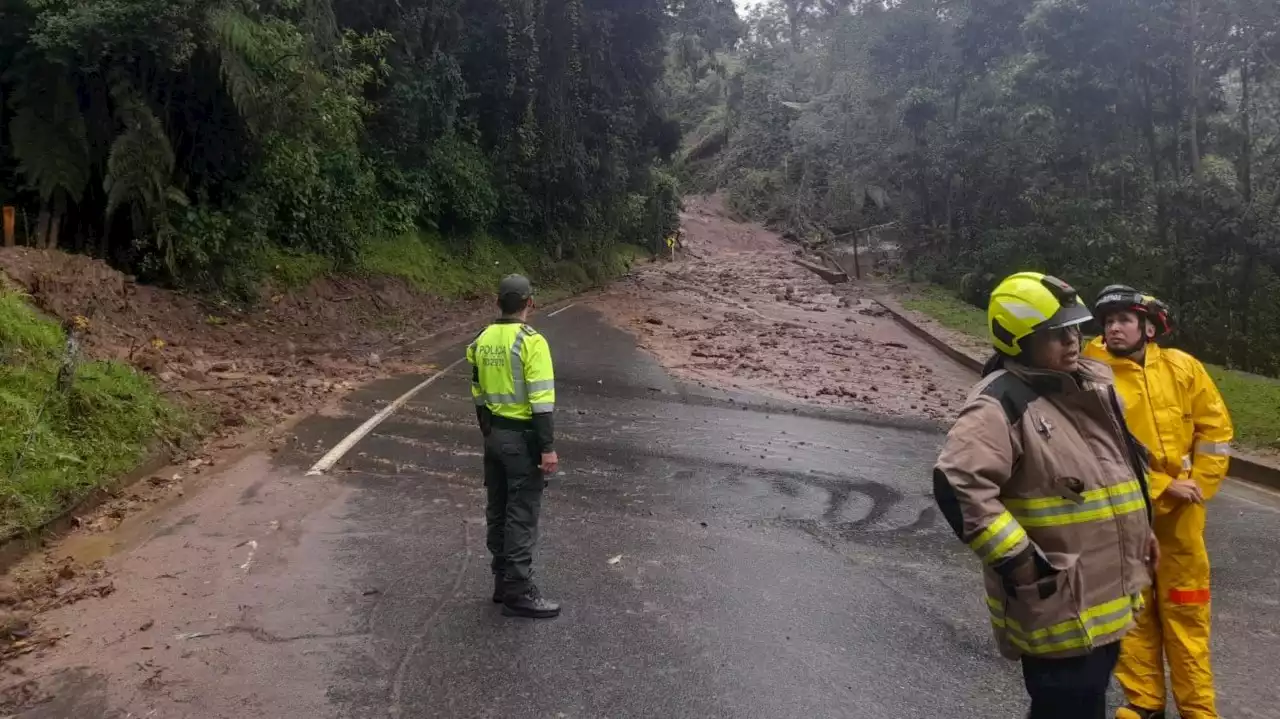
1174, 408
512, 373
1041, 462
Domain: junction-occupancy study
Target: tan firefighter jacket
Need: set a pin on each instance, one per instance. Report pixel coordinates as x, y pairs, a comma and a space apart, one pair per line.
1042, 479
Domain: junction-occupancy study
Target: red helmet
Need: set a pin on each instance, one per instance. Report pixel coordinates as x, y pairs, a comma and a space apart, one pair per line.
1158, 314
1116, 298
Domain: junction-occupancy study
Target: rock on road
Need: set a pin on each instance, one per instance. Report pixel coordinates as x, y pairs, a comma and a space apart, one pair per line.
718, 555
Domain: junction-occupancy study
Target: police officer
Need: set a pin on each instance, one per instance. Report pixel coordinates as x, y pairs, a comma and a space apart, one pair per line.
513, 386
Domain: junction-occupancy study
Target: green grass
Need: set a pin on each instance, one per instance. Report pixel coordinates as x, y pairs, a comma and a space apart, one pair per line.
473, 268
71, 440
1252, 399
950, 311
293, 270
431, 266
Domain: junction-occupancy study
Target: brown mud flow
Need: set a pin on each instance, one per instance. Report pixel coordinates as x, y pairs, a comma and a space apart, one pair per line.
734, 310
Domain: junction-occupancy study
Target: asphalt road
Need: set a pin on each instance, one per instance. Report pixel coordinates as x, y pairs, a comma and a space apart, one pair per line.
717, 556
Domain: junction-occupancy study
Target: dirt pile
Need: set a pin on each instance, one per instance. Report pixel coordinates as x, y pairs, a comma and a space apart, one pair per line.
240, 371
244, 368
736, 310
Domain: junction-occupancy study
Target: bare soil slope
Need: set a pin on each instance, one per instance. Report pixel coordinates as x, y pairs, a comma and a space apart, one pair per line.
244, 368
243, 373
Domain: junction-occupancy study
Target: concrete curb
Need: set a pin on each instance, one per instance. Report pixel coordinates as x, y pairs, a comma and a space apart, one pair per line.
900, 314
1243, 467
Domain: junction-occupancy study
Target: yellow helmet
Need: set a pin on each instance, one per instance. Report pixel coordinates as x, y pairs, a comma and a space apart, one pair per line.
1031, 302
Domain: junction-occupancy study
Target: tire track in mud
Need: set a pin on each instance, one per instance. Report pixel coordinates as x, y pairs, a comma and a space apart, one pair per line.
850, 508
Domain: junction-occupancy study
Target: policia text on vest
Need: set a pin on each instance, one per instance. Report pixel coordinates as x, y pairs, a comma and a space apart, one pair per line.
513, 386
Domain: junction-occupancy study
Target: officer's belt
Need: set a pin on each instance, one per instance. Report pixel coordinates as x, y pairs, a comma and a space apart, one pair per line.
518, 425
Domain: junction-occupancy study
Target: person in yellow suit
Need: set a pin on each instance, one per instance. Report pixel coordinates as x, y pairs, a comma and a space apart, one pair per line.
1173, 407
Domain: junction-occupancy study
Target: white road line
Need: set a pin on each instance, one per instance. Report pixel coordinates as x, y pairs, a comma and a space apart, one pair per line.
331, 458
326, 462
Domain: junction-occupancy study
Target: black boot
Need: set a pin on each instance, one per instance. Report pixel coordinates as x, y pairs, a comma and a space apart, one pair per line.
499, 588
530, 604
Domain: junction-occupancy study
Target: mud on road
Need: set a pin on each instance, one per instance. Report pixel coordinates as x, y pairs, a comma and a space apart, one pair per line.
735, 311
246, 374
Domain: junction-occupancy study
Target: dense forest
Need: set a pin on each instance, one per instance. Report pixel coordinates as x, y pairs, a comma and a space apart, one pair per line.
182, 139
1101, 140
1108, 140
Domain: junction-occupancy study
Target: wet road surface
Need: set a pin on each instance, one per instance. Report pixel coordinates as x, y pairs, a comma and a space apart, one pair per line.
771, 561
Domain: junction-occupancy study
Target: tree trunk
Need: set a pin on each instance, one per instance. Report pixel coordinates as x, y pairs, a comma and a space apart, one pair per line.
9, 217
1246, 150
55, 227
922, 181
1153, 157
952, 222
1176, 108
55, 221
42, 228
1193, 90
793, 23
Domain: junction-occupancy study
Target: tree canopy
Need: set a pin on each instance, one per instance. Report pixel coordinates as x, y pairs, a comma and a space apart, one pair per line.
179, 139
1104, 141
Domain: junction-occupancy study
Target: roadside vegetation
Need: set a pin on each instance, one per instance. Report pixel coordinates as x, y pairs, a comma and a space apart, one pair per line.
1252, 399
435, 267
237, 151
209, 146
65, 427
1104, 141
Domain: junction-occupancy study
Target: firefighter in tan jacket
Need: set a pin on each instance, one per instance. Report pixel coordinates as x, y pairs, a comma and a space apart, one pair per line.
1042, 479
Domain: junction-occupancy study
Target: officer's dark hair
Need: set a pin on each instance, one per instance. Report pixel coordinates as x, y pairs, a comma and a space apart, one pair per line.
512, 304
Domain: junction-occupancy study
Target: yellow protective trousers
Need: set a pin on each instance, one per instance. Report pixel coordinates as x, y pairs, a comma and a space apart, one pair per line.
1174, 624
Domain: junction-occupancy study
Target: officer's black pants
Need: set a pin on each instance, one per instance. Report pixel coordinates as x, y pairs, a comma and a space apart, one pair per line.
1072, 688
515, 484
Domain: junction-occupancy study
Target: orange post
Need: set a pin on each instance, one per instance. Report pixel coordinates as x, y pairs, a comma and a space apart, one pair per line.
9, 215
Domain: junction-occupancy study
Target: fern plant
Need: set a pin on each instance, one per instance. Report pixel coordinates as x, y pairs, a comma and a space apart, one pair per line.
48, 133
140, 171
240, 50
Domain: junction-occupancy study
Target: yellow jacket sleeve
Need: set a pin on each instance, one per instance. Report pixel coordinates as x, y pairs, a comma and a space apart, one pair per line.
539, 375
1211, 446
477, 394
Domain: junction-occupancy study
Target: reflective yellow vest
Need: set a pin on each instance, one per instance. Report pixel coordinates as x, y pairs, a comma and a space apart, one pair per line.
511, 371
1174, 408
